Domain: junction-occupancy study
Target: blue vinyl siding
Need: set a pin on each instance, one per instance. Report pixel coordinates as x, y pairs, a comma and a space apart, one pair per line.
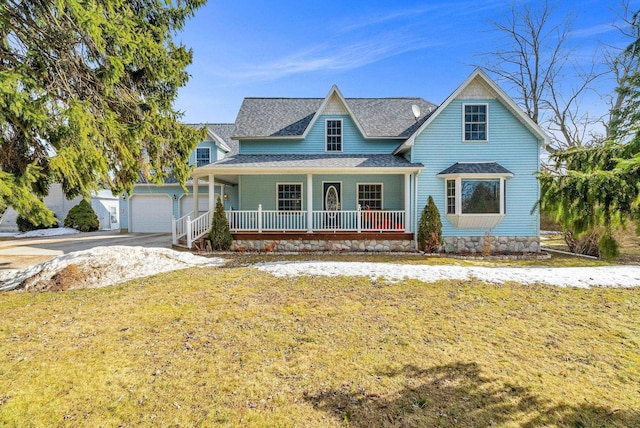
256, 190
352, 141
213, 152
510, 144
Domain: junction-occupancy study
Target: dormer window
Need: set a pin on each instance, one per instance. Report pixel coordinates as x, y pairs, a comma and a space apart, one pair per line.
334, 135
203, 156
475, 122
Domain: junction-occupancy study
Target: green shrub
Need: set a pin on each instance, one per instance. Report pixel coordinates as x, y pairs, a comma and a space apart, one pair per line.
25, 225
430, 228
220, 235
82, 217
608, 246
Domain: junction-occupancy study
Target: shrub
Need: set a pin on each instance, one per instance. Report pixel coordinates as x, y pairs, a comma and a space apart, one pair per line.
430, 228
25, 225
82, 217
220, 235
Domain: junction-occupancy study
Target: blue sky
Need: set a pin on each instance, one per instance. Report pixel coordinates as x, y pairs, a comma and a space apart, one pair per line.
285, 48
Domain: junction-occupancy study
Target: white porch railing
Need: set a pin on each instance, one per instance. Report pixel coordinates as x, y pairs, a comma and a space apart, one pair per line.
335, 221
190, 230
179, 227
292, 221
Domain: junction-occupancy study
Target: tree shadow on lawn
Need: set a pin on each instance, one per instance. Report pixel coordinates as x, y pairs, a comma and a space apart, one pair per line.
459, 395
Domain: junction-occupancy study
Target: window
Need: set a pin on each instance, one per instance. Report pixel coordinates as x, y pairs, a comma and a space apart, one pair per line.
290, 197
475, 202
334, 135
203, 156
475, 122
370, 195
451, 196
480, 196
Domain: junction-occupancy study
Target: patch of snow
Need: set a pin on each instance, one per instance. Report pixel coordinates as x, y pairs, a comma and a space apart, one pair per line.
104, 266
47, 232
583, 277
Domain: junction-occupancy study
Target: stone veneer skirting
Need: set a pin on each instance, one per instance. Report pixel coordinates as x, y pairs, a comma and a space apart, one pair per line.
497, 244
460, 244
322, 245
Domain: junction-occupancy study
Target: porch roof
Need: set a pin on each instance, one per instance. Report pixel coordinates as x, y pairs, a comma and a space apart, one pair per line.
317, 163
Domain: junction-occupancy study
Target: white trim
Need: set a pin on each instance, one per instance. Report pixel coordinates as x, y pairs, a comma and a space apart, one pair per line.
196, 156
486, 122
502, 97
278, 183
474, 220
334, 90
375, 184
332, 182
204, 171
326, 143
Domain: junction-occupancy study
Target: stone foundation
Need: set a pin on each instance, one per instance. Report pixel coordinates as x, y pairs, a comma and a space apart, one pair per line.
497, 244
380, 245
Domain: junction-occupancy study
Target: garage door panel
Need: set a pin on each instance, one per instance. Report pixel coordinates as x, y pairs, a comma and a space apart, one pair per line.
151, 214
186, 204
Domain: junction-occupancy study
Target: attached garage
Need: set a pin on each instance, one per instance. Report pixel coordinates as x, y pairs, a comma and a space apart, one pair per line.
150, 213
186, 204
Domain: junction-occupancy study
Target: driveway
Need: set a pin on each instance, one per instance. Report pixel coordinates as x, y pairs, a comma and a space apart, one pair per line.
18, 253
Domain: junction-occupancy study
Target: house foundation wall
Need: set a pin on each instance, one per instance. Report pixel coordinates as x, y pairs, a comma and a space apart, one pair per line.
355, 245
495, 244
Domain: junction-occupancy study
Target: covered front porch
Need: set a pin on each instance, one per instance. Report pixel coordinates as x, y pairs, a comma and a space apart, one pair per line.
352, 195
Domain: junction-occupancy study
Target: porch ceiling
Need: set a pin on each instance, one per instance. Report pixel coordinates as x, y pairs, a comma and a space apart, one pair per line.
298, 164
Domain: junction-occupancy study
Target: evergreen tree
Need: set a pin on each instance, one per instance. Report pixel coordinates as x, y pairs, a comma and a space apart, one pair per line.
430, 228
220, 235
82, 217
600, 186
86, 94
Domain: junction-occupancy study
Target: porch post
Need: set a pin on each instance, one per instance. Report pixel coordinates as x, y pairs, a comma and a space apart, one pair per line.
195, 197
309, 203
212, 187
222, 201
407, 202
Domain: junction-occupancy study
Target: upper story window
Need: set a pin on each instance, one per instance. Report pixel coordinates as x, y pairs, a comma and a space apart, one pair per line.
334, 135
203, 156
475, 122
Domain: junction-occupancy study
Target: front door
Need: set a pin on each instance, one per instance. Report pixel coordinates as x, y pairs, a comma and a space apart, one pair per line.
332, 196
332, 202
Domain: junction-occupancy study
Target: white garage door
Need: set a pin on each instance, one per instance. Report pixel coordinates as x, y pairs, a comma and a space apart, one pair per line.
186, 204
151, 213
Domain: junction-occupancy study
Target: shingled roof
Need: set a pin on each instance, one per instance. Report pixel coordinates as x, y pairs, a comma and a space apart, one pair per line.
476, 168
225, 131
290, 117
309, 162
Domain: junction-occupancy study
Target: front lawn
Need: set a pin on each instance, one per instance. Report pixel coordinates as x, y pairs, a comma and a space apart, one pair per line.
238, 347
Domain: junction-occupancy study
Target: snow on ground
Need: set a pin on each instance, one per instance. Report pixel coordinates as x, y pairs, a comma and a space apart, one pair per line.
101, 267
584, 277
41, 232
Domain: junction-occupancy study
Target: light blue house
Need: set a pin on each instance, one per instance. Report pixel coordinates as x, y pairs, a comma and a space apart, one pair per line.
151, 208
338, 173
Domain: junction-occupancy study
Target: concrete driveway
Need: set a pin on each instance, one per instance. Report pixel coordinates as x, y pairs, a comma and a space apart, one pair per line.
18, 253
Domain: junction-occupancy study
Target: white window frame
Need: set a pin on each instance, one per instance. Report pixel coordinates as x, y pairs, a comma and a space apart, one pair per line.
370, 184
278, 184
326, 136
486, 122
466, 220
196, 155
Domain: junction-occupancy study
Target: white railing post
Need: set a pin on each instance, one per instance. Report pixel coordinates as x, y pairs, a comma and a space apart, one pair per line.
259, 218
174, 233
188, 224
359, 218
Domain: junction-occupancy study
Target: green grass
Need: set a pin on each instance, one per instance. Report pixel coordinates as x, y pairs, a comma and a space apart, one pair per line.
238, 347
